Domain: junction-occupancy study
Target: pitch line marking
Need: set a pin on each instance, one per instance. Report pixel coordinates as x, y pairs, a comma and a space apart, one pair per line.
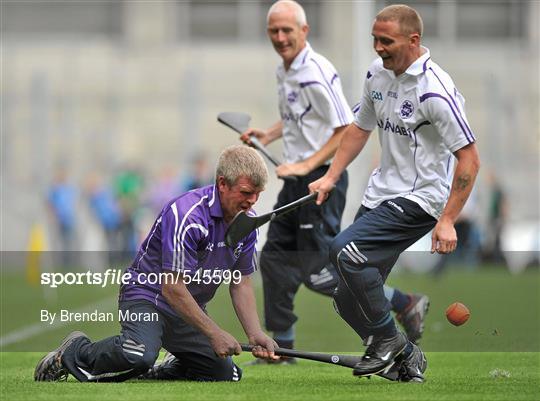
33, 330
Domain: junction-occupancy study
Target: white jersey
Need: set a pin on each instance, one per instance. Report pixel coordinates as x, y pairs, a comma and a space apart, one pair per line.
421, 120
311, 104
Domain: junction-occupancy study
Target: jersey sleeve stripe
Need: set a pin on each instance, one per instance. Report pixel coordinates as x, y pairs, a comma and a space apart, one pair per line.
454, 103
178, 263
308, 83
335, 98
192, 225
428, 95
175, 235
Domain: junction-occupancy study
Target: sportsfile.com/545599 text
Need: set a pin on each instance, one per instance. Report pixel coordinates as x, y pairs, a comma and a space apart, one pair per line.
118, 277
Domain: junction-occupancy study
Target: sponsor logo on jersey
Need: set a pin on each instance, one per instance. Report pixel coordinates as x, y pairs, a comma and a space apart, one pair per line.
289, 117
392, 94
407, 109
375, 95
387, 125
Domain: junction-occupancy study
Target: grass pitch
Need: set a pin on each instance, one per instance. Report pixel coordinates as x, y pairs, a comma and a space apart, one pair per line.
451, 376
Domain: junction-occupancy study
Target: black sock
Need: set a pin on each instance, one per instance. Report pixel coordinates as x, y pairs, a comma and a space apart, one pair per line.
385, 329
289, 344
399, 301
407, 351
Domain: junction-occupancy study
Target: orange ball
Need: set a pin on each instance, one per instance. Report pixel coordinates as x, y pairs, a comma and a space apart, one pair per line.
457, 313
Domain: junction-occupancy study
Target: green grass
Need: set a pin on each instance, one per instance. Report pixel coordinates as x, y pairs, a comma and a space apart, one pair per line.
451, 376
503, 333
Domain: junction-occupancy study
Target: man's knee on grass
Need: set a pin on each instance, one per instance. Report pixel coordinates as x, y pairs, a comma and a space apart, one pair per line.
223, 370
137, 357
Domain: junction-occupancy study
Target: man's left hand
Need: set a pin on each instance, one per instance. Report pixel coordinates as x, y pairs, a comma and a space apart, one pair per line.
444, 237
263, 346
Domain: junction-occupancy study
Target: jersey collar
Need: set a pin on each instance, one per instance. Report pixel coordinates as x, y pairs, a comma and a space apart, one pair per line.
299, 60
214, 202
420, 65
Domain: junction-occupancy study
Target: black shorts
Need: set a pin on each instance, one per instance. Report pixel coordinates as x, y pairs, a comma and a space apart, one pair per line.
381, 234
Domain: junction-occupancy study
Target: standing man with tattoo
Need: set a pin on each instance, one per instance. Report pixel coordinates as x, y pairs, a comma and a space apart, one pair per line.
422, 130
314, 114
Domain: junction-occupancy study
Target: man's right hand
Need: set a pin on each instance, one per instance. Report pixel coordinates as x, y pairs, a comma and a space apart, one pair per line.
224, 344
257, 133
323, 186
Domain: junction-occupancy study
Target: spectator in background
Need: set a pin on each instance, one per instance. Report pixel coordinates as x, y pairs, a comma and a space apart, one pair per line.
497, 214
200, 173
62, 200
106, 210
165, 188
128, 186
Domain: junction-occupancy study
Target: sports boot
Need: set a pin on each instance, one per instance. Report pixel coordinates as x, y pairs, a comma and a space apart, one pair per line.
412, 318
50, 367
408, 368
380, 354
412, 368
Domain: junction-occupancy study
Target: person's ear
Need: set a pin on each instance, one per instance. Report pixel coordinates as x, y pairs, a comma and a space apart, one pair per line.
221, 183
414, 40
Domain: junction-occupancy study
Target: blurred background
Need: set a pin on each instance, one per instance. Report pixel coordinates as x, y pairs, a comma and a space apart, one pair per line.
108, 110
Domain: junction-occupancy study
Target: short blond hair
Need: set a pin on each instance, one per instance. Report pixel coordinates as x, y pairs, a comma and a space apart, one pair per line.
242, 161
407, 17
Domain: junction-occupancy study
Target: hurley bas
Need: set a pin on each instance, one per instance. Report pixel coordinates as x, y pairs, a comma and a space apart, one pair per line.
65, 315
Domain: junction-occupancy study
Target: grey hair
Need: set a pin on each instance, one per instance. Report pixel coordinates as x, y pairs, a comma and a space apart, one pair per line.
289, 4
240, 160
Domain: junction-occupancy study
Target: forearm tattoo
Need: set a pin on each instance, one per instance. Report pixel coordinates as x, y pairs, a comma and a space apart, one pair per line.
463, 181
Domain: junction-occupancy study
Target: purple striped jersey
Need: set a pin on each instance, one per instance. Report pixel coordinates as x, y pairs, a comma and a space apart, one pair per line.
188, 238
421, 119
311, 104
